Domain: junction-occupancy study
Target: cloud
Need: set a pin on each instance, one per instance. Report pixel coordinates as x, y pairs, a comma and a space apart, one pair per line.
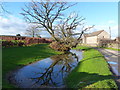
111, 22
44, 34
114, 31
13, 25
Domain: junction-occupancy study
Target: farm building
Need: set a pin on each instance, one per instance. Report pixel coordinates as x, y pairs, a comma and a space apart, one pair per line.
94, 38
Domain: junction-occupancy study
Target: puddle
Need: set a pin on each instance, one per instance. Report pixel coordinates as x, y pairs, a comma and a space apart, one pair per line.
46, 73
115, 69
111, 62
114, 66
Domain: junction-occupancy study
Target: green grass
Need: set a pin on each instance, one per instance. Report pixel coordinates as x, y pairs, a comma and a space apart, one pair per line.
112, 49
15, 57
91, 72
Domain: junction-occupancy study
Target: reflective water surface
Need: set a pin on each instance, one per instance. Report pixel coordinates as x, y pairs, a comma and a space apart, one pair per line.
49, 72
114, 65
111, 62
115, 69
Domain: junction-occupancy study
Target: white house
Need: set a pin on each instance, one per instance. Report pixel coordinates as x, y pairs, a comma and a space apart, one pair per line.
94, 37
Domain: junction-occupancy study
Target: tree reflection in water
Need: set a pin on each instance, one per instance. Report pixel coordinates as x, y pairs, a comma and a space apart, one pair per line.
66, 63
49, 72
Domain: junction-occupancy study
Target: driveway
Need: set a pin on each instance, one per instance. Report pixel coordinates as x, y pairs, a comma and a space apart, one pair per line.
112, 58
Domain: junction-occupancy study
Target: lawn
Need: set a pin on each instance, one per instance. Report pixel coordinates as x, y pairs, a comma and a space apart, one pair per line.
91, 72
16, 57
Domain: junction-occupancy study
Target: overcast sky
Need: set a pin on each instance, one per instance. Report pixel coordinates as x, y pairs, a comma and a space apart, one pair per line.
100, 14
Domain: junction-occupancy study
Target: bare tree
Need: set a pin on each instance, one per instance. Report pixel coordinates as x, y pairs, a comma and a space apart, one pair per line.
33, 31
47, 77
3, 9
46, 14
67, 30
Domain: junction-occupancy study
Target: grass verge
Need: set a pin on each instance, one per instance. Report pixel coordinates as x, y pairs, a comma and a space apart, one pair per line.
91, 72
19, 56
112, 49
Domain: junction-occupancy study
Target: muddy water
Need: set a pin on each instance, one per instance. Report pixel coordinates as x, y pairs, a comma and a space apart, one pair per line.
49, 72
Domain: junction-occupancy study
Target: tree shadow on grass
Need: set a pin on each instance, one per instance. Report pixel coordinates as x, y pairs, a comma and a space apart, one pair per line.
78, 79
22, 53
83, 79
87, 49
94, 57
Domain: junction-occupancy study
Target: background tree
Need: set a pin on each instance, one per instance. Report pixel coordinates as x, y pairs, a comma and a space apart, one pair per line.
18, 35
33, 31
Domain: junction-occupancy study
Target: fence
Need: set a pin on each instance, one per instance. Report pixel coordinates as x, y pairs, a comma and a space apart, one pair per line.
109, 44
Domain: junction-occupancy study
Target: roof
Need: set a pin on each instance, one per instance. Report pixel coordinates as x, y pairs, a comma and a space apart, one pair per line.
93, 33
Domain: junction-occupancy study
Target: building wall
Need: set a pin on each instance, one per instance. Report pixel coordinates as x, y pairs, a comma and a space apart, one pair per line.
83, 39
91, 40
94, 40
104, 35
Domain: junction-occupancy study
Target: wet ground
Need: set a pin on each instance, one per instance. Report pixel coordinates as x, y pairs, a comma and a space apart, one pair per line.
112, 58
46, 73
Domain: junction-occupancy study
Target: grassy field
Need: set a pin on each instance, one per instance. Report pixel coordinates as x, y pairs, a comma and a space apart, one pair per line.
15, 57
91, 72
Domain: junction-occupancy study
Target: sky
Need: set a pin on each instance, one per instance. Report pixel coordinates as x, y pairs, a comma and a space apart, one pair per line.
101, 14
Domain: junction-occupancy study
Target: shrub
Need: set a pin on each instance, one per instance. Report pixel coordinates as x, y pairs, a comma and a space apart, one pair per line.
59, 46
34, 40
24, 42
12, 43
18, 35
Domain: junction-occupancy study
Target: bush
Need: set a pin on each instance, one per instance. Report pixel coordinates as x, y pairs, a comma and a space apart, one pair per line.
59, 46
30, 41
25, 42
18, 35
12, 43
